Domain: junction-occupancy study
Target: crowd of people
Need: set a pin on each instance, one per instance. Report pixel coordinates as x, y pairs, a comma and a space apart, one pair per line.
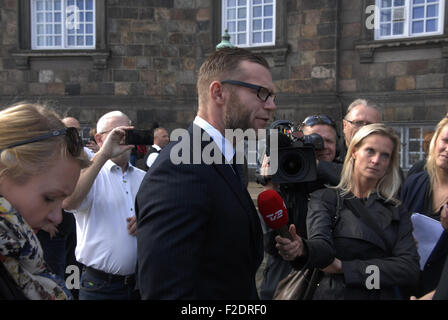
190, 230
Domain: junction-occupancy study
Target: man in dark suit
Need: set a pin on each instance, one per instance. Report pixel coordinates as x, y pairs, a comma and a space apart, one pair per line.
198, 232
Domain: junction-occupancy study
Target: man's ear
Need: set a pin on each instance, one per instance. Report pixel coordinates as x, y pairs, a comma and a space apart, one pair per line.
216, 92
98, 138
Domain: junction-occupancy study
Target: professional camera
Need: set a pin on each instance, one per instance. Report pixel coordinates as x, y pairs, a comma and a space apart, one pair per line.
296, 156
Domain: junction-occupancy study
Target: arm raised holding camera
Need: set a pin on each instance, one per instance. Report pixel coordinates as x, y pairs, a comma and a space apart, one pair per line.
110, 148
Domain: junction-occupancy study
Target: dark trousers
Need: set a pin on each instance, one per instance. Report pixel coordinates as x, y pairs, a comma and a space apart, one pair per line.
102, 286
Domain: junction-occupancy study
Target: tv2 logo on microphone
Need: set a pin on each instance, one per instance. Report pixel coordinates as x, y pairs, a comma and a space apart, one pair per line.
276, 215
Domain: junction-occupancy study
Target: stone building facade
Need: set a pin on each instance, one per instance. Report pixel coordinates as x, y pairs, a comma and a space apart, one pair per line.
146, 54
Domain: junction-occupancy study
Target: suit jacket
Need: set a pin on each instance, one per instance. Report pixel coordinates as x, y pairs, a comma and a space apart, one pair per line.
198, 232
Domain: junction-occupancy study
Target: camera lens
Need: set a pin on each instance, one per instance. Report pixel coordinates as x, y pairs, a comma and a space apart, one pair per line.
291, 163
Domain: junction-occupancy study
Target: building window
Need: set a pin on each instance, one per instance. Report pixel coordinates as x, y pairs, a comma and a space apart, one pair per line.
412, 138
408, 18
62, 24
250, 23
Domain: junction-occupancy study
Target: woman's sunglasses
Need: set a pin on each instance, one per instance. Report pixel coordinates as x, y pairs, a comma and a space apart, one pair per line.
74, 142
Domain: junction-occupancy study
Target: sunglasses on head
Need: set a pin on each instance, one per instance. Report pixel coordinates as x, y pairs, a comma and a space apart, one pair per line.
318, 119
74, 142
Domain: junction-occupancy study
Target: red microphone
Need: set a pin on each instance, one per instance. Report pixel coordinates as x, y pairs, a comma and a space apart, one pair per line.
274, 213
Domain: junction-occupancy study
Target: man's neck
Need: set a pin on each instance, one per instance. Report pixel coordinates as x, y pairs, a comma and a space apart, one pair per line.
211, 120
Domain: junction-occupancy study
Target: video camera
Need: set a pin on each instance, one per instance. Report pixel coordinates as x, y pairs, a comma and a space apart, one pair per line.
296, 156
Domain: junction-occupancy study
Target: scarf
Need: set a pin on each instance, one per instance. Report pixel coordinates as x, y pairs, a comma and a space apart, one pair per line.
22, 256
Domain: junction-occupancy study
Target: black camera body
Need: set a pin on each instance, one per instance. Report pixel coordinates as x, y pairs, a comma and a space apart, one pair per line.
296, 155
139, 137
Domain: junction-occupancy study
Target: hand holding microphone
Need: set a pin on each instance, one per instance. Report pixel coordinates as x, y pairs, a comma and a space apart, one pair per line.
290, 249
274, 213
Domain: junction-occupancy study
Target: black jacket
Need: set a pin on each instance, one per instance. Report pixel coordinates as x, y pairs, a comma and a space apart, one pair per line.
358, 246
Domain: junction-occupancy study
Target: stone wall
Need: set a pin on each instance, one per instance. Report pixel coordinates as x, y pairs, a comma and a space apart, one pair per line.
407, 77
324, 61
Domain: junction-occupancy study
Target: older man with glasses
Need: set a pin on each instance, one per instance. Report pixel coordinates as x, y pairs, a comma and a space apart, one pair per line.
359, 113
103, 204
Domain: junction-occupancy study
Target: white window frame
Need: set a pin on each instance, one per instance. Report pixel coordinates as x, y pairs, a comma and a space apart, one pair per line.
407, 29
65, 24
249, 24
402, 131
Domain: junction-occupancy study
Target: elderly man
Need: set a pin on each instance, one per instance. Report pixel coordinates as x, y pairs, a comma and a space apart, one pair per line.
359, 113
103, 203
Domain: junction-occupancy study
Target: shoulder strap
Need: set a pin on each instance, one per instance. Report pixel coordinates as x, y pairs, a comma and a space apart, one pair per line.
359, 210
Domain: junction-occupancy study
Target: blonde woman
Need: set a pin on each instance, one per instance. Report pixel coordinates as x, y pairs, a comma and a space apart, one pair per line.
40, 163
369, 251
427, 193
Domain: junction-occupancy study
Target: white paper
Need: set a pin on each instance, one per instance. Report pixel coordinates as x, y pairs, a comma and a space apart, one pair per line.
427, 232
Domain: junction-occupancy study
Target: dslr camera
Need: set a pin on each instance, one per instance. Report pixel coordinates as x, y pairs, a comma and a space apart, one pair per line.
296, 156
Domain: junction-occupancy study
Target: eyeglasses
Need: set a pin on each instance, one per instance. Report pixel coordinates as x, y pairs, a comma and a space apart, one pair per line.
262, 93
358, 123
319, 119
74, 142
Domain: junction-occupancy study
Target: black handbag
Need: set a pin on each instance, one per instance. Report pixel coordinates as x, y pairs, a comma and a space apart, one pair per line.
298, 285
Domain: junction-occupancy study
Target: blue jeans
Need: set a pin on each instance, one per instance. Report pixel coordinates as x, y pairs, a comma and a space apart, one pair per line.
94, 288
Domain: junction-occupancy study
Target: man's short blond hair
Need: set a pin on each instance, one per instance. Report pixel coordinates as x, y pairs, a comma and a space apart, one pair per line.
221, 65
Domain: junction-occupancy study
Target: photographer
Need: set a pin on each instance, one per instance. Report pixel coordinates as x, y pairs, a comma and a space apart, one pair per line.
103, 204
296, 197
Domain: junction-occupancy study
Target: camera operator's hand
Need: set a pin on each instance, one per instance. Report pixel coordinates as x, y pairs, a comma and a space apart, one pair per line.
264, 171
265, 166
290, 250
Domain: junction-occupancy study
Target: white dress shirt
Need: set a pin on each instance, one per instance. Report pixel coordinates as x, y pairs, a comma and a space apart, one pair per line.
223, 144
103, 241
153, 156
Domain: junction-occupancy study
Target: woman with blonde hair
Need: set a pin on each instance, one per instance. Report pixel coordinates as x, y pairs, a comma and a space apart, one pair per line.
358, 233
427, 193
40, 163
